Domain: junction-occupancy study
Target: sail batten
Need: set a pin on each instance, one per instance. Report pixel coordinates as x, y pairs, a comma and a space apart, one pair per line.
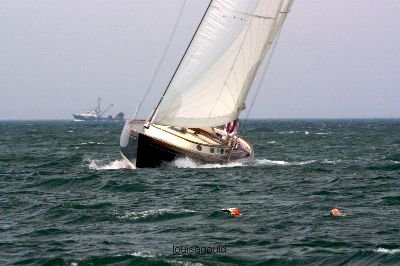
214, 78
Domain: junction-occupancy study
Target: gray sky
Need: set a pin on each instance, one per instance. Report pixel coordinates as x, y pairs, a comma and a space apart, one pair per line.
334, 59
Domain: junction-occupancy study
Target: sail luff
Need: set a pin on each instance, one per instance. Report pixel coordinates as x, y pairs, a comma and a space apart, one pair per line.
215, 76
283, 11
233, 65
257, 65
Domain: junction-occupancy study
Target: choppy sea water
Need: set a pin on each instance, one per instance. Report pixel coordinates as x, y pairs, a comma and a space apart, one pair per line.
67, 198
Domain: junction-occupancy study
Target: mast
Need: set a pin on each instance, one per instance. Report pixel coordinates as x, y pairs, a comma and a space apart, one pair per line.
108, 108
98, 108
180, 62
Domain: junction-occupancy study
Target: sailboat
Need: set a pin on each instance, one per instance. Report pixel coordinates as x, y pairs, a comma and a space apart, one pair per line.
197, 116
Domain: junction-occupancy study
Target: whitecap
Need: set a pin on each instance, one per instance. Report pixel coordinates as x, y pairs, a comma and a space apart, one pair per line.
305, 162
132, 215
287, 132
189, 163
142, 254
326, 161
184, 263
273, 162
387, 251
99, 165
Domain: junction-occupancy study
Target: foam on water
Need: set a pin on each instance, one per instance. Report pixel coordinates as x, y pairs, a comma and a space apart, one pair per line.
273, 162
189, 163
135, 215
185, 263
142, 254
100, 165
294, 131
326, 161
387, 251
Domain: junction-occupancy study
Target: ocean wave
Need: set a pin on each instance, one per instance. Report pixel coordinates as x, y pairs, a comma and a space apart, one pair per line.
305, 132
288, 132
299, 163
189, 163
118, 259
391, 200
153, 215
326, 161
91, 143
277, 162
134, 258
125, 187
142, 254
387, 251
101, 165
185, 263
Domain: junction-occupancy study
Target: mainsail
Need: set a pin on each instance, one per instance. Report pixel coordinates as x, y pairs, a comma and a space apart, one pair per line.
216, 73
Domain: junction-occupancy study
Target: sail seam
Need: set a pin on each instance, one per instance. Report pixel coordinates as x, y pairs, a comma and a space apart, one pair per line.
234, 63
246, 13
255, 15
269, 43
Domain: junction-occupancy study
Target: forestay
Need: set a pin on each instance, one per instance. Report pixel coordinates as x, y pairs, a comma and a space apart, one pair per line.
216, 73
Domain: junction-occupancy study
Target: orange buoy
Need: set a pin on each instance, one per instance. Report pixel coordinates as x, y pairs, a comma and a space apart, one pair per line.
335, 212
232, 211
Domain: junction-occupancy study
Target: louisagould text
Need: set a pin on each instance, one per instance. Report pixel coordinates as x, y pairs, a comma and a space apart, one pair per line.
200, 250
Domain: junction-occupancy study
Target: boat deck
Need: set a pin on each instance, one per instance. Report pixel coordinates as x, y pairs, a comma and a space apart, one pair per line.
193, 135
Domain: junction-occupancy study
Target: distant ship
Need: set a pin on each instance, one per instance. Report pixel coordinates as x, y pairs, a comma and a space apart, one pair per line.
97, 114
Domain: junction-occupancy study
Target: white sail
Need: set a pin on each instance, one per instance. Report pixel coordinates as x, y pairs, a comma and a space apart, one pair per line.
213, 79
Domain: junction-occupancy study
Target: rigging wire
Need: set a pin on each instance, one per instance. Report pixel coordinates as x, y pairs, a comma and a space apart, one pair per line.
261, 81
180, 62
153, 79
